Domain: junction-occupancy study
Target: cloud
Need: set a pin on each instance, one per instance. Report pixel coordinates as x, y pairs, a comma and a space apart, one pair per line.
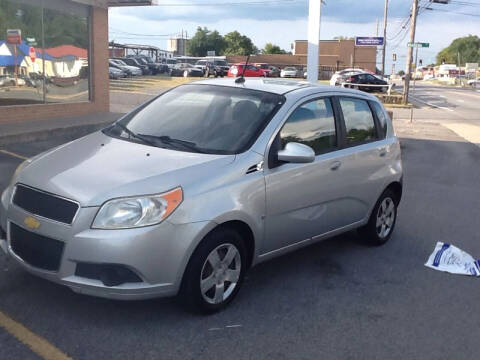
439, 29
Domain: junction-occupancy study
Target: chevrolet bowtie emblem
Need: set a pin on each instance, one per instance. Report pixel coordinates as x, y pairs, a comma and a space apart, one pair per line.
31, 222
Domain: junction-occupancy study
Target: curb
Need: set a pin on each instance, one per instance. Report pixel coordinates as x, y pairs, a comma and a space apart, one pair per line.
68, 132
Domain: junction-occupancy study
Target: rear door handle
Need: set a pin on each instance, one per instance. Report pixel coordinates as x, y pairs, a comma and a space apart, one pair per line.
335, 165
382, 152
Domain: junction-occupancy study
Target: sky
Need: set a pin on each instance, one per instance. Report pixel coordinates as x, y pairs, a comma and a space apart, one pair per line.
283, 21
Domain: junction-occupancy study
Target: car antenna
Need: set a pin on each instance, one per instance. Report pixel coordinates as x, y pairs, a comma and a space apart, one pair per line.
241, 79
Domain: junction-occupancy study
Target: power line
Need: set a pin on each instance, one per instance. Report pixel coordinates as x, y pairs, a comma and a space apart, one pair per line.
264, 2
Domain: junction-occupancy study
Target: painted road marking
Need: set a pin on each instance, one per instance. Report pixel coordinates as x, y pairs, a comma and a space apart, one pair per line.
432, 105
13, 154
37, 344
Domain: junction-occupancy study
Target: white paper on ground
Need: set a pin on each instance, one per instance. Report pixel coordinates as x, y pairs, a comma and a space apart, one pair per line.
451, 259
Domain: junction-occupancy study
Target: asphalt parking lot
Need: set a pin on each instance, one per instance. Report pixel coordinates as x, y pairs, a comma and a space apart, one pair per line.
337, 299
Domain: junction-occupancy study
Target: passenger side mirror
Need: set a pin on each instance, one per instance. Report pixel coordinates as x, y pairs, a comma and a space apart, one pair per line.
296, 153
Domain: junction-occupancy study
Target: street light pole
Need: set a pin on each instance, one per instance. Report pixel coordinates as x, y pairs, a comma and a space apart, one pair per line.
314, 14
385, 18
413, 26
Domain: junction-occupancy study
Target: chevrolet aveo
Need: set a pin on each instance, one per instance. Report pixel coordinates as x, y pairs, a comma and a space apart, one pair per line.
188, 191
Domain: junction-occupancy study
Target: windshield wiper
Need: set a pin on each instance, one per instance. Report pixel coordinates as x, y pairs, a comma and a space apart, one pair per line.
164, 139
135, 135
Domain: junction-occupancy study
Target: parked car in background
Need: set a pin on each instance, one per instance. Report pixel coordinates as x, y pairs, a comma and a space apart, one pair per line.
209, 68
250, 71
134, 62
186, 70
339, 77
265, 68
233, 175
129, 70
289, 72
474, 82
9, 80
155, 68
274, 71
115, 74
222, 64
366, 82
171, 63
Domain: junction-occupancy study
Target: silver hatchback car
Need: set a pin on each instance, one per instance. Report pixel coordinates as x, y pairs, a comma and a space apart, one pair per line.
188, 191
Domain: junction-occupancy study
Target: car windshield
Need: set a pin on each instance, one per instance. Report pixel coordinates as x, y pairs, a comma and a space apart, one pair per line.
290, 69
221, 62
200, 118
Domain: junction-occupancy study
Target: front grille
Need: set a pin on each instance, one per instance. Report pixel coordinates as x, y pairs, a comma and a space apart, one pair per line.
45, 205
36, 250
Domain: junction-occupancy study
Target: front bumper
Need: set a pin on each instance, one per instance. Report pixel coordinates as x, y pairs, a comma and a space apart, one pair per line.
157, 254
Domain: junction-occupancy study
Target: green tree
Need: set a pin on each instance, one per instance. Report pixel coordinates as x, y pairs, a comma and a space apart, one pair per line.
464, 49
238, 44
273, 49
204, 41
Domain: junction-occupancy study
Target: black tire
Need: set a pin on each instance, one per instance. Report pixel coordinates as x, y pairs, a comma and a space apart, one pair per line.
190, 292
370, 233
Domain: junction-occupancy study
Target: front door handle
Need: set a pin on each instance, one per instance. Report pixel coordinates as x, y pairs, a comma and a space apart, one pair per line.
335, 165
382, 152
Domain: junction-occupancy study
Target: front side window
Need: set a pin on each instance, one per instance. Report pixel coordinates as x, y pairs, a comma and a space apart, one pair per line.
201, 118
359, 123
312, 124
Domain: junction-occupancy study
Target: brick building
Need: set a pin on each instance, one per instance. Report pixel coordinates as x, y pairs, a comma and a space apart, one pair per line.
67, 75
334, 55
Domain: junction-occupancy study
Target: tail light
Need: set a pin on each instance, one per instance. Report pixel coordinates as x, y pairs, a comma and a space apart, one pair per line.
350, 79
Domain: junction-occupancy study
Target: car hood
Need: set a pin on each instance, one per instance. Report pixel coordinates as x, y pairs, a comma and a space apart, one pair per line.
97, 168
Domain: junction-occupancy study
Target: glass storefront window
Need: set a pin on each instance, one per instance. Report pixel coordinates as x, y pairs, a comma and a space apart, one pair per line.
51, 64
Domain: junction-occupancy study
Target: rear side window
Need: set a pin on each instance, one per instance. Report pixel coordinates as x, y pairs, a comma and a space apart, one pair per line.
382, 119
312, 124
359, 123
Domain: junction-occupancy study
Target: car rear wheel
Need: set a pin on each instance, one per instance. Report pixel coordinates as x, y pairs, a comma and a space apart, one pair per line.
381, 224
215, 272
185, 73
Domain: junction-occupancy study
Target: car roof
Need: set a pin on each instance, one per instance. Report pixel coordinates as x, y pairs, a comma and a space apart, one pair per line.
283, 86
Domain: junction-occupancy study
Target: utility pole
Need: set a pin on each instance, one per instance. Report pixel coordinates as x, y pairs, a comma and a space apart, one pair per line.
413, 25
385, 19
314, 15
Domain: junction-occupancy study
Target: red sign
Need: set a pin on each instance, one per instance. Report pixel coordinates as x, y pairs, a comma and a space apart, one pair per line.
32, 53
14, 36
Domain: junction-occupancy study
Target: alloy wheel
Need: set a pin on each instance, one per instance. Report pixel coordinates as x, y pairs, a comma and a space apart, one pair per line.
385, 217
220, 273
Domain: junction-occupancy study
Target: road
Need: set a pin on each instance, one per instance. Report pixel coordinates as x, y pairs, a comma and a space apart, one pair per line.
338, 299
457, 103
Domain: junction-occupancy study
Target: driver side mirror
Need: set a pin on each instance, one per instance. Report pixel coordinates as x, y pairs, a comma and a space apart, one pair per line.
296, 153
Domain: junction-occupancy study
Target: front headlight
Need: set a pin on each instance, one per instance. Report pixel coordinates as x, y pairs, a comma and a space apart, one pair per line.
137, 211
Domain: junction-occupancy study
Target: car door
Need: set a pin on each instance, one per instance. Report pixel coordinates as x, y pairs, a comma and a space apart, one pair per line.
300, 198
252, 71
363, 167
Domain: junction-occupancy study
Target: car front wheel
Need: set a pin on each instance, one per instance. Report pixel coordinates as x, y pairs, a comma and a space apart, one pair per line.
379, 228
185, 73
215, 272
